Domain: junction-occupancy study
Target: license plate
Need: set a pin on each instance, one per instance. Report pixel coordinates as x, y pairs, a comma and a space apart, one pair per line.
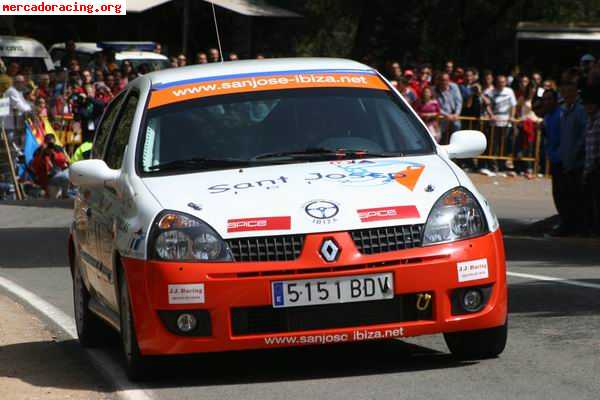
344, 289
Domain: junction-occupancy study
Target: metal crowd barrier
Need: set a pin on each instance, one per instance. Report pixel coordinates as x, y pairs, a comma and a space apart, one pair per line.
506, 143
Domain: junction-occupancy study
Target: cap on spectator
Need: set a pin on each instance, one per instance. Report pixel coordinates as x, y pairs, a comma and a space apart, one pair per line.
409, 73
587, 58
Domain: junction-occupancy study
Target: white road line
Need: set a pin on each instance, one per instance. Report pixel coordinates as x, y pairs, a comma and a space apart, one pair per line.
125, 389
554, 279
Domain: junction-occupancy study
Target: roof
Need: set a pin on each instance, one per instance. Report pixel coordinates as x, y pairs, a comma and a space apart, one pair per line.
251, 8
547, 31
83, 47
18, 46
139, 55
174, 75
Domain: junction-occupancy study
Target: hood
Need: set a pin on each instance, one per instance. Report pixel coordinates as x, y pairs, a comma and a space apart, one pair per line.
309, 197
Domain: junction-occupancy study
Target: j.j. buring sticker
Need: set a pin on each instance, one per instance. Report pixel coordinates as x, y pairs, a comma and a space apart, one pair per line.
472, 270
186, 294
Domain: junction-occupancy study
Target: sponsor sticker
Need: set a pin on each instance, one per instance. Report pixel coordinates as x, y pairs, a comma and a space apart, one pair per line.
261, 82
186, 294
259, 224
385, 213
472, 270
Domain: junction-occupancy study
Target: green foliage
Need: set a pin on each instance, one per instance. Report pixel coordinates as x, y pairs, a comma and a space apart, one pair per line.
470, 31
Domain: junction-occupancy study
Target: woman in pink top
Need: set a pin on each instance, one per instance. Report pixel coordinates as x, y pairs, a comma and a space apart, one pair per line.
428, 109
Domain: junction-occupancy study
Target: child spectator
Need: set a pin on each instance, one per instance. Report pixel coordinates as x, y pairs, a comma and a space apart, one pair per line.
429, 110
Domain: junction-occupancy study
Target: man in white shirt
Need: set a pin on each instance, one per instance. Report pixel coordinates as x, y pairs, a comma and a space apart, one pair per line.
503, 105
13, 123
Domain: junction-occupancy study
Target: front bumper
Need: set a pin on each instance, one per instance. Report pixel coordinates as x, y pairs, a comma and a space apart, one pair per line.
230, 286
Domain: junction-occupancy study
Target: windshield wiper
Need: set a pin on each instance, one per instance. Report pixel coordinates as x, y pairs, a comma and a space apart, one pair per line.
198, 163
319, 152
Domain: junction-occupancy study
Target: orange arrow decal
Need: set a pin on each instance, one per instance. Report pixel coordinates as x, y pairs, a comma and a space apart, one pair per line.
409, 177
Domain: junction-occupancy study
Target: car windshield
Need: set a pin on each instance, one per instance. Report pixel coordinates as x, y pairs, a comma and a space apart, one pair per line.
279, 126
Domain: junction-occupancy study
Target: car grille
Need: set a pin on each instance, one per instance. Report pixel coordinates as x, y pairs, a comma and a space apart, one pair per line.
266, 319
267, 248
390, 238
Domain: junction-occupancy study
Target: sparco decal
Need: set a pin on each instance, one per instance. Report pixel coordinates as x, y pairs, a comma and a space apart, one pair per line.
259, 224
385, 213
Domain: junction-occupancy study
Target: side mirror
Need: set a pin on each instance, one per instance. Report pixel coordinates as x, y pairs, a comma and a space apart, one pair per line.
466, 144
92, 173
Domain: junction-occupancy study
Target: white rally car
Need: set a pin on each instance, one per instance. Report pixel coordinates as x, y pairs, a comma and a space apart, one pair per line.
270, 203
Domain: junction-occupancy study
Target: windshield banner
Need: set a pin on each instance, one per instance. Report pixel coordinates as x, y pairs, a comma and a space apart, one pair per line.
277, 81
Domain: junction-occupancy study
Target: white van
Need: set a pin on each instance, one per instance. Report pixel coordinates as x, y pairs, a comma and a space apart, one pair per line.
26, 52
134, 52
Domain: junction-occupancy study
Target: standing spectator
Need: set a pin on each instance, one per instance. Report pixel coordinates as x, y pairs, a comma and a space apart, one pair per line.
70, 54
201, 58
572, 154
448, 95
470, 79
233, 56
13, 69
158, 48
86, 77
173, 63
393, 70
585, 65
44, 90
523, 86
476, 105
13, 123
449, 68
98, 76
429, 110
214, 55
181, 60
406, 91
488, 81
528, 123
103, 93
459, 76
111, 82
503, 104
552, 116
422, 81
591, 172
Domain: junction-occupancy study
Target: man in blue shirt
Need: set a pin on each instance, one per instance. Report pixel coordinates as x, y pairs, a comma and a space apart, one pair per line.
552, 115
450, 99
571, 150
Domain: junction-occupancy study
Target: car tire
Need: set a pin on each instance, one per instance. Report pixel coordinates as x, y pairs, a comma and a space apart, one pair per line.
136, 365
91, 330
479, 344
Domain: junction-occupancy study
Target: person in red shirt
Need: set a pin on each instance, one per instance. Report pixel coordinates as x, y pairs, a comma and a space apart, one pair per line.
50, 165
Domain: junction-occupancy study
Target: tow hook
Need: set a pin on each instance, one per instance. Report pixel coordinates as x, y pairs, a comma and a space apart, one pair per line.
423, 301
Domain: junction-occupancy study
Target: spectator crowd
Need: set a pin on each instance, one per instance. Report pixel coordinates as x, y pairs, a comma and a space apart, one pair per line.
61, 109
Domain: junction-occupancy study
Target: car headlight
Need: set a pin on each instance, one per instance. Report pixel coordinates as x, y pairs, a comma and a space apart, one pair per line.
455, 216
181, 237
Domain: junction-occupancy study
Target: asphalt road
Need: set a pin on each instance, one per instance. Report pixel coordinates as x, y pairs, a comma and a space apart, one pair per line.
553, 350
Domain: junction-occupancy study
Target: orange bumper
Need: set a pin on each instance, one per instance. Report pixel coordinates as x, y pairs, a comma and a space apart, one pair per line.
431, 269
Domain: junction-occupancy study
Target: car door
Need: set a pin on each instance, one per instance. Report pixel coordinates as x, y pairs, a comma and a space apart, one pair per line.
88, 201
110, 216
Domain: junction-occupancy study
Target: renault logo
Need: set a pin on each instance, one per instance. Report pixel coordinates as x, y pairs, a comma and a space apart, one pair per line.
330, 250
321, 209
